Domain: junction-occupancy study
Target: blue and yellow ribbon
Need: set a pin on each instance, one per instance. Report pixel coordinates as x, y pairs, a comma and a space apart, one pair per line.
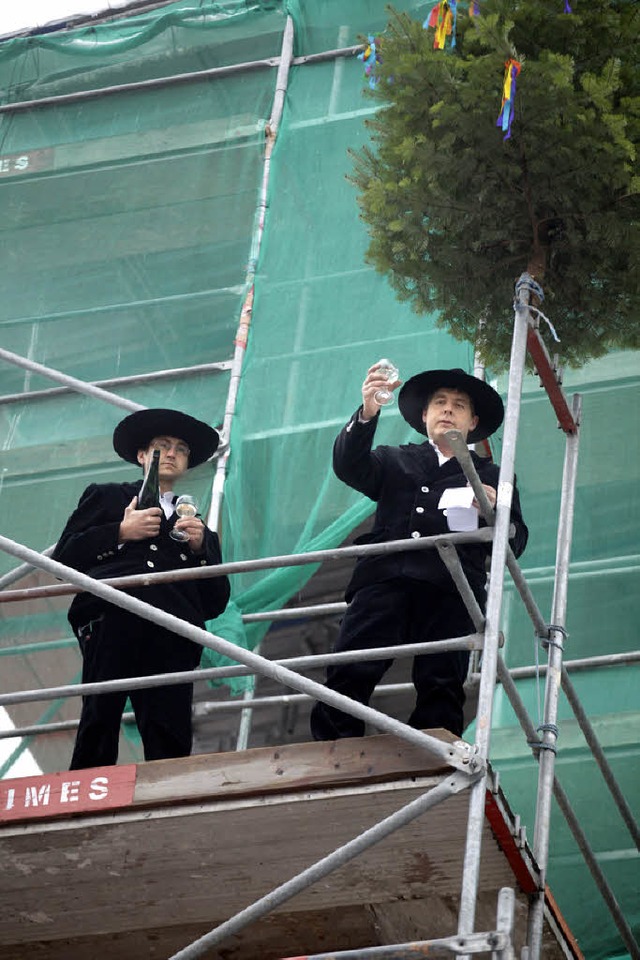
370, 56
443, 20
512, 69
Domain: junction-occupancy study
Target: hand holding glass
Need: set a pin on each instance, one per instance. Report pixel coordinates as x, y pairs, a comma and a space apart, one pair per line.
185, 507
389, 370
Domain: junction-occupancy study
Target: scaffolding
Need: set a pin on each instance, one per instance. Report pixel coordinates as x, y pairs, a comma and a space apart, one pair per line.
470, 764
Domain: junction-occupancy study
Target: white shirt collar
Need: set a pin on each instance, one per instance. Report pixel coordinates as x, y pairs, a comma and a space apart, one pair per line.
166, 502
441, 457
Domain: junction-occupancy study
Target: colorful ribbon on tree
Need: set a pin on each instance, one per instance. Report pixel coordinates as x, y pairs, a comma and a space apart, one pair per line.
512, 69
443, 20
370, 56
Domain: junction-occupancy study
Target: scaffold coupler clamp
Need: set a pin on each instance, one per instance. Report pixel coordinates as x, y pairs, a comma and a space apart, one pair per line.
546, 744
550, 640
467, 758
542, 744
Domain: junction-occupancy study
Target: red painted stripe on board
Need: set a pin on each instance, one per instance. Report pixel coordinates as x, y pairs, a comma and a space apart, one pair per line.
507, 844
570, 940
73, 791
517, 863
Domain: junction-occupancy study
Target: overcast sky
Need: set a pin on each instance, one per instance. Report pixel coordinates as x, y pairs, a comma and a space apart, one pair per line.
24, 14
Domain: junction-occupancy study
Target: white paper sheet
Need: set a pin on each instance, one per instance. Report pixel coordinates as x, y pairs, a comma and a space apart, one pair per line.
456, 501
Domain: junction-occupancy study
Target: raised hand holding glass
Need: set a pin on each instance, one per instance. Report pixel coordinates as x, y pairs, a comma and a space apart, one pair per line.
391, 373
185, 507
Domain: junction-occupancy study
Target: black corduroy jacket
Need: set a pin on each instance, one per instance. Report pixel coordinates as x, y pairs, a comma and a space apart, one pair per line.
89, 543
407, 483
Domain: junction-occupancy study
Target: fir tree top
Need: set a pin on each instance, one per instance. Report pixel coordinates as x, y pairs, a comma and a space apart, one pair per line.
456, 213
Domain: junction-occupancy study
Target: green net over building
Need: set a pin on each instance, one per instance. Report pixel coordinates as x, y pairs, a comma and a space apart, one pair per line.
134, 239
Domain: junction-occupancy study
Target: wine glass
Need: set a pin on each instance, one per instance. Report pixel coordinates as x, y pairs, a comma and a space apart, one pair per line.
185, 507
391, 372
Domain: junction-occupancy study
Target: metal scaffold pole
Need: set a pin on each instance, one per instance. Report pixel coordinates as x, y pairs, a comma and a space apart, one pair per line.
282, 80
79, 385
242, 333
555, 644
471, 870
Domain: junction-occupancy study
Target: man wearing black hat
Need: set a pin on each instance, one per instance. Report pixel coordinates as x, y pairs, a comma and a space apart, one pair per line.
107, 536
410, 597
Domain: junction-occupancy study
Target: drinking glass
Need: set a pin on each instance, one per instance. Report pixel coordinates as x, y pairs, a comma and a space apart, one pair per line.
185, 507
391, 372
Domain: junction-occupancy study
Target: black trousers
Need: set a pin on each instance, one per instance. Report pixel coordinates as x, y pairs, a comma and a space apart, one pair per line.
117, 645
397, 612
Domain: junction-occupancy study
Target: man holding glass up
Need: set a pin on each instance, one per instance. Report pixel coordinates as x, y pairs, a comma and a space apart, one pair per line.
401, 598
108, 536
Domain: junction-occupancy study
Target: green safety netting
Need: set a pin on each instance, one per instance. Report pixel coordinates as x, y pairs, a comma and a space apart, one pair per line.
129, 238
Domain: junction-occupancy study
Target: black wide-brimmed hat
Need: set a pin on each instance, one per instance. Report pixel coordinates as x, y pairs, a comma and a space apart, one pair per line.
487, 404
138, 429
